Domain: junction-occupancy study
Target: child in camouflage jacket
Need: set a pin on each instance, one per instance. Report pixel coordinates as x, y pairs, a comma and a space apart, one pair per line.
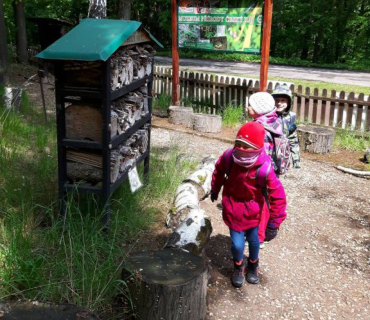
283, 102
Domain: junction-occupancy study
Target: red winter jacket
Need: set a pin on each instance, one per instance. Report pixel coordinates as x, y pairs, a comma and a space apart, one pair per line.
242, 199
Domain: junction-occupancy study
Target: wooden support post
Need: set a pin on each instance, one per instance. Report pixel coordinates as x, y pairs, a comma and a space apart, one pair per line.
266, 38
175, 58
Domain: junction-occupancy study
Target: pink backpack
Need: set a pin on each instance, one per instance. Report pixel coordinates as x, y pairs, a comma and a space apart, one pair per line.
262, 170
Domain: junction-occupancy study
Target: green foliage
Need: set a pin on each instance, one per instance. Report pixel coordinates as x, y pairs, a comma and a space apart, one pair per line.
351, 140
69, 260
232, 115
162, 101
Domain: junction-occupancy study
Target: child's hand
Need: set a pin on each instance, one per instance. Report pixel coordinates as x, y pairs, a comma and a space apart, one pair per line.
214, 196
270, 233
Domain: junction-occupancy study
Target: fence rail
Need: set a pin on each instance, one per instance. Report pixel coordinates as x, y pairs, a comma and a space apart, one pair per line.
211, 93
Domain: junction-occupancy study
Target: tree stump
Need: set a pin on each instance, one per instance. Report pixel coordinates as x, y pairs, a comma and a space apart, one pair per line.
367, 155
170, 284
206, 122
180, 115
315, 139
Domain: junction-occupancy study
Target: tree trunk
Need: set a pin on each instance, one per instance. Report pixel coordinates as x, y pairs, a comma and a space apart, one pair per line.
315, 139
4, 58
97, 9
168, 284
124, 9
20, 22
180, 115
206, 122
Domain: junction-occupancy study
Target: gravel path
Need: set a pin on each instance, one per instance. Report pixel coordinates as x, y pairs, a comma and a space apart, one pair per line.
317, 267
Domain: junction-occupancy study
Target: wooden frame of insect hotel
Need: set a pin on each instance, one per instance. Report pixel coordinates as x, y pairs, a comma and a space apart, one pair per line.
103, 88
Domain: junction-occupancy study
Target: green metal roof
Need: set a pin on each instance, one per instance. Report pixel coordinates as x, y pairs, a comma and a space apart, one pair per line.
91, 40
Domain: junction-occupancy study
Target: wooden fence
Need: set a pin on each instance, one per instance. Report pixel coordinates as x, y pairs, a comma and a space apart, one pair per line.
209, 94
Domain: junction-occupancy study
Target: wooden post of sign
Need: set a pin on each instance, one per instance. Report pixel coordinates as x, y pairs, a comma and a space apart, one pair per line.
175, 58
266, 38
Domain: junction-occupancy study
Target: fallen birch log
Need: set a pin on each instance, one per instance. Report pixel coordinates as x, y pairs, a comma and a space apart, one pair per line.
193, 189
354, 172
192, 234
201, 179
192, 228
186, 199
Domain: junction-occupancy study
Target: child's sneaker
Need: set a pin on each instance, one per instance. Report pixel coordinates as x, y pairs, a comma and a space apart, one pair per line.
238, 276
252, 272
262, 245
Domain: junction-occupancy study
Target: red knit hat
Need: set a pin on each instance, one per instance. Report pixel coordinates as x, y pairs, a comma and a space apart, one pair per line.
252, 133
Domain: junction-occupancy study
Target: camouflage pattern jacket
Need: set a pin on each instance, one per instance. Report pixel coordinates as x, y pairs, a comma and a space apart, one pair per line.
290, 130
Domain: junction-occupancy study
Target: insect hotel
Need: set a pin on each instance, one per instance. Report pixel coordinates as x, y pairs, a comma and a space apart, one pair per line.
103, 84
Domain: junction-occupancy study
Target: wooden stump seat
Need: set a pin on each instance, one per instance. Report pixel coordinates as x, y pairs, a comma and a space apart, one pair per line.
168, 284
206, 122
180, 115
315, 139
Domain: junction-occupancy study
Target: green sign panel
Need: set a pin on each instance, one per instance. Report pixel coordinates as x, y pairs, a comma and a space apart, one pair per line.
220, 25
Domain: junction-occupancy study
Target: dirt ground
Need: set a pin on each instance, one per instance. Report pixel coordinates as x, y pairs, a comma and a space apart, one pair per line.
317, 267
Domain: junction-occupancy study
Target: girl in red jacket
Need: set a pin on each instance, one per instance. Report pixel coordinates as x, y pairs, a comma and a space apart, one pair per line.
242, 200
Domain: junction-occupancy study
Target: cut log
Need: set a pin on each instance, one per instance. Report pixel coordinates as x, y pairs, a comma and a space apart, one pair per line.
196, 187
186, 198
38, 310
201, 179
354, 172
315, 139
87, 166
83, 172
180, 115
367, 156
192, 234
206, 122
170, 284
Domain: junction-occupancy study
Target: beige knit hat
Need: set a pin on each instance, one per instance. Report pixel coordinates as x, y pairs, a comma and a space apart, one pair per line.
262, 102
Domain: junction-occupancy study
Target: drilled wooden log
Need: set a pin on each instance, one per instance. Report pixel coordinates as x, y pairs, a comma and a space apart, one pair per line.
193, 233
206, 122
170, 284
315, 139
83, 122
180, 115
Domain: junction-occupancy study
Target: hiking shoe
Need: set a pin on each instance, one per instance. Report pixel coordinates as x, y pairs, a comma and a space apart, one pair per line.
252, 272
238, 276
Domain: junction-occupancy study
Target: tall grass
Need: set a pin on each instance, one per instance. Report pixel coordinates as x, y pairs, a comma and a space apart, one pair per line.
162, 102
232, 115
69, 260
351, 140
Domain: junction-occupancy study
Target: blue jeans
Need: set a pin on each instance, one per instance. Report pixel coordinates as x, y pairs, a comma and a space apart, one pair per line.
238, 242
